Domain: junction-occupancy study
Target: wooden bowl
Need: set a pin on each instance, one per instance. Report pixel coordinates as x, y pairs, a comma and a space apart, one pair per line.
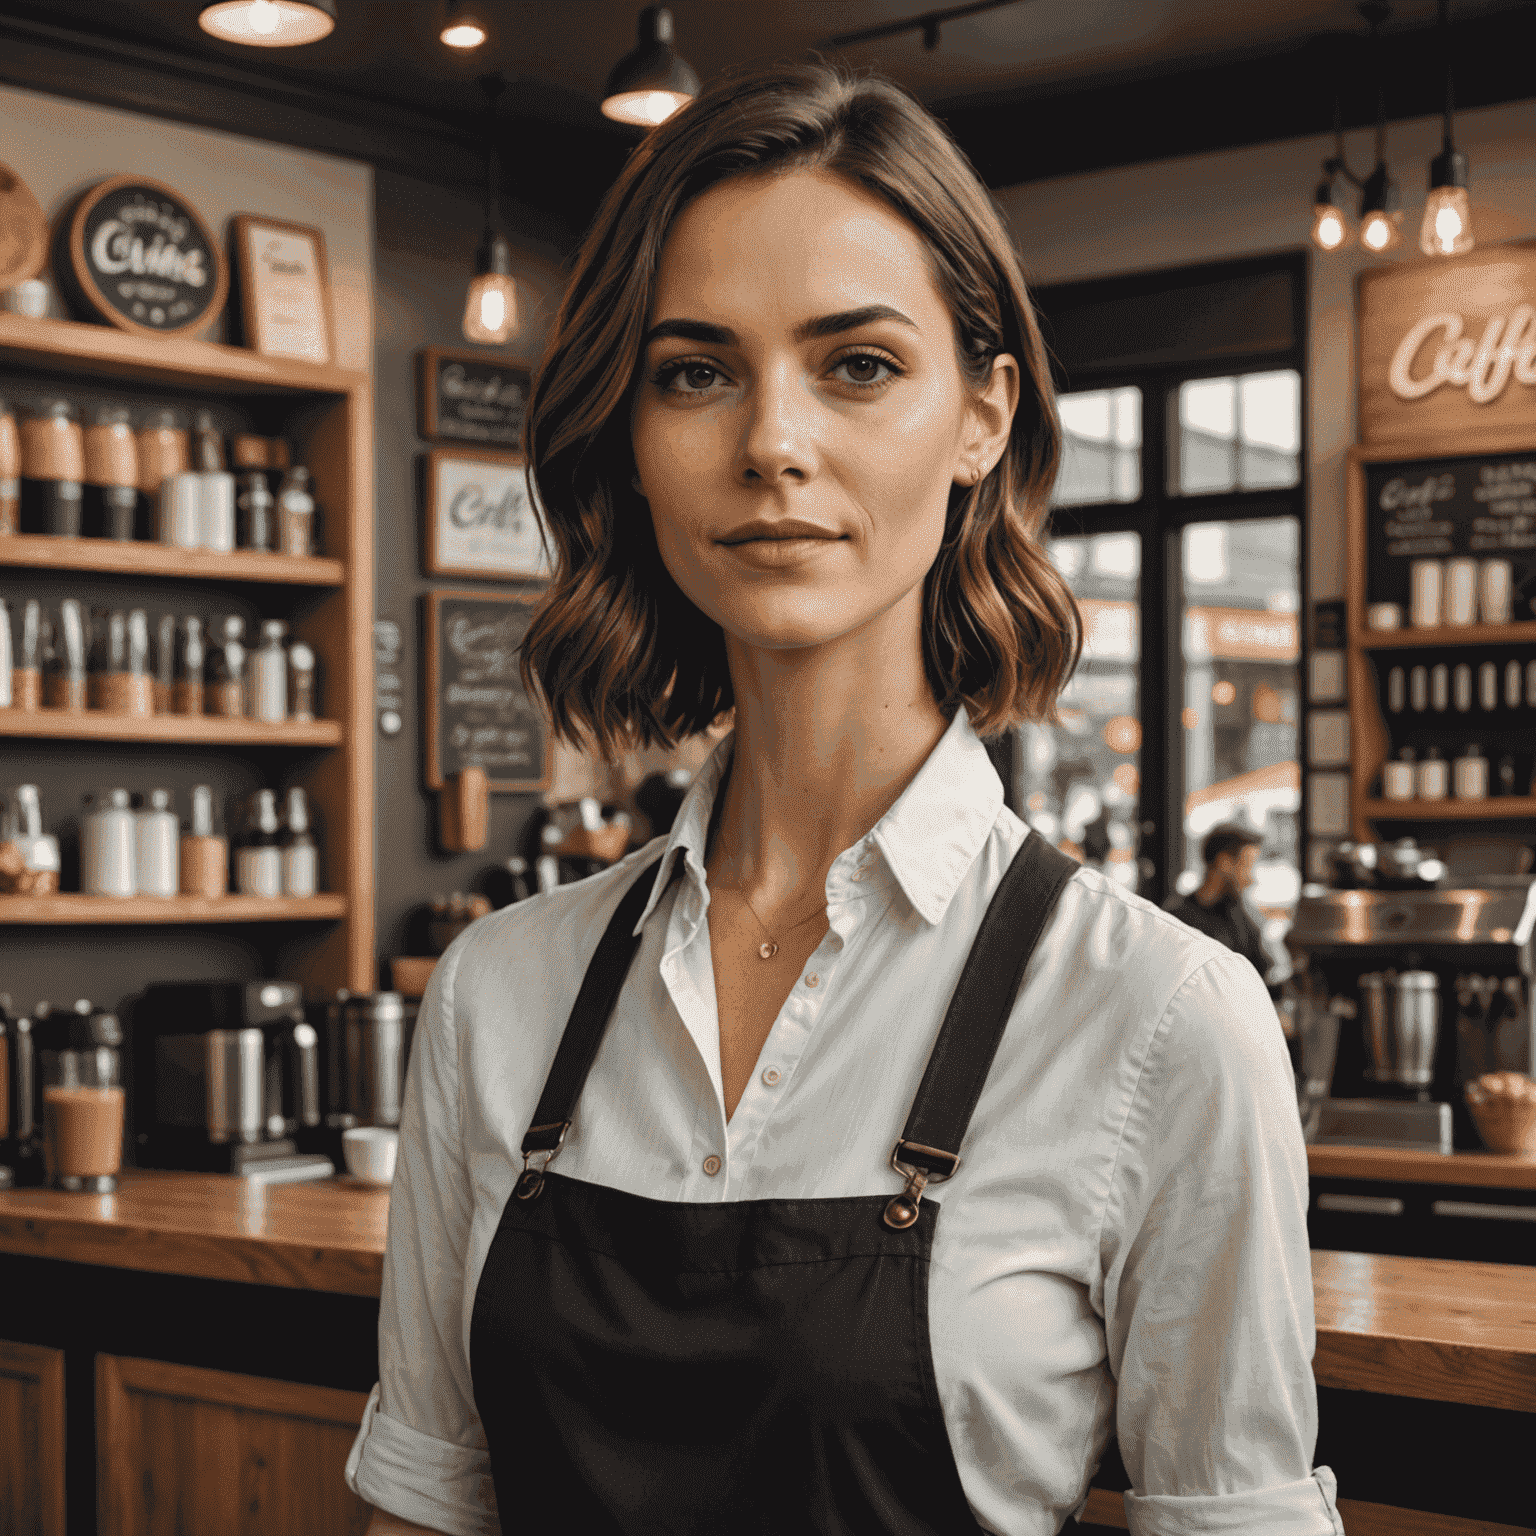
1503, 1106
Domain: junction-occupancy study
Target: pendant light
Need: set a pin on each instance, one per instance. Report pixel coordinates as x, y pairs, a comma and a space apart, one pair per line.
490, 306
1380, 217
463, 27
1329, 229
269, 23
650, 82
1447, 226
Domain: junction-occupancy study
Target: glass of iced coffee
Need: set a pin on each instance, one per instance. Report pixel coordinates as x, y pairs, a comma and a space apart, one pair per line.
83, 1106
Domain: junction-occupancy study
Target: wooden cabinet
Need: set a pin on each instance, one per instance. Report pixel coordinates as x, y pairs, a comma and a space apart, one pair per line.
31, 1440
181, 1449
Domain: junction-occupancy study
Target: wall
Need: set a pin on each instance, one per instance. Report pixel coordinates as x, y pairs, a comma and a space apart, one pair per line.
1252, 201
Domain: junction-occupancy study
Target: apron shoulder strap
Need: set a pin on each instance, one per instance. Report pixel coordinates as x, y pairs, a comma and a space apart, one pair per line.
589, 1018
978, 1014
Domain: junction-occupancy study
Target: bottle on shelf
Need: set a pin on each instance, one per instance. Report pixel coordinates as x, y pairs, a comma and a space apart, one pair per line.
1430, 776
1506, 775
1462, 683
1488, 686
119, 680
163, 451
64, 660
6, 667
187, 685
300, 856
109, 845
52, 471
1439, 687
203, 855
1513, 684
10, 473
1470, 772
1418, 690
27, 658
1397, 777
1530, 684
254, 502
37, 850
179, 515
163, 663
302, 701
1396, 690
258, 852
158, 846
225, 692
296, 513
216, 486
268, 671
111, 493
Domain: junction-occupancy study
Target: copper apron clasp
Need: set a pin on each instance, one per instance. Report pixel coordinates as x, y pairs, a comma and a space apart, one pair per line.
901, 1212
531, 1180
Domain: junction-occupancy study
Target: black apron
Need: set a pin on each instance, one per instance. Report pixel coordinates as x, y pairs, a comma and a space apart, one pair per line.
656, 1368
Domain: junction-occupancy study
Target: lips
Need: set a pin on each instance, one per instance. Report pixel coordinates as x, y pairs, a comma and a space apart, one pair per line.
778, 529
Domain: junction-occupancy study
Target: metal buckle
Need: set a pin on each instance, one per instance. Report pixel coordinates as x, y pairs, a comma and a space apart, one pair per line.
901, 1212
531, 1180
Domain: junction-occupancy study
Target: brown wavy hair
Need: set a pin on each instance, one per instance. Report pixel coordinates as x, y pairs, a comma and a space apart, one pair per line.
617, 650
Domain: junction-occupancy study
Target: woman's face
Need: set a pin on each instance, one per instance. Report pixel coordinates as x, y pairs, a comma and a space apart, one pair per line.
799, 368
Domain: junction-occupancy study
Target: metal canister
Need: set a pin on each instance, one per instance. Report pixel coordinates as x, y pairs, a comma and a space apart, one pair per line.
1415, 1027
375, 1056
1376, 1024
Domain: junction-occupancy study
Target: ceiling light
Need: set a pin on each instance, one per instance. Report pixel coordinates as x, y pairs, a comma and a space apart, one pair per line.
462, 27
490, 306
650, 82
1447, 226
1329, 230
269, 23
1380, 217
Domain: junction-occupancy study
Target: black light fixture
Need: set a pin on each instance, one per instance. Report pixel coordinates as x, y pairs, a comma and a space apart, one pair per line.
650, 82
1447, 226
490, 306
463, 26
269, 23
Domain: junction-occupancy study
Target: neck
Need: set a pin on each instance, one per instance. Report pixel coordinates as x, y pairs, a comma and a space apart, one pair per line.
826, 739
1212, 890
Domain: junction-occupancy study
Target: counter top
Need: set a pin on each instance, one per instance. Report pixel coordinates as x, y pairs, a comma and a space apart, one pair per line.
1410, 1165
1441, 1329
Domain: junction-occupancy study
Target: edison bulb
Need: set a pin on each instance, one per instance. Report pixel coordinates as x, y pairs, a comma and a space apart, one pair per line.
268, 23
1328, 229
1379, 231
490, 309
1447, 226
644, 108
464, 35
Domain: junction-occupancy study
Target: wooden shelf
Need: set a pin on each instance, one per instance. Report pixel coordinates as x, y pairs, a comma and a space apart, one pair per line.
1498, 808
1448, 634
173, 360
213, 730
141, 558
69, 908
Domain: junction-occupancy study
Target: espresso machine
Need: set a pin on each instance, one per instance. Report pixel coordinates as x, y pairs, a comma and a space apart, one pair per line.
226, 1079
1405, 996
365, 1042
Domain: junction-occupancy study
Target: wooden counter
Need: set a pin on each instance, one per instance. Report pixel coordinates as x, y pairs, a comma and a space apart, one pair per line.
1485, 1170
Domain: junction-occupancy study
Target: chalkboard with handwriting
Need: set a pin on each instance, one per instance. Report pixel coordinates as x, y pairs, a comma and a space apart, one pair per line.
1432, 509
478, 714
469, 398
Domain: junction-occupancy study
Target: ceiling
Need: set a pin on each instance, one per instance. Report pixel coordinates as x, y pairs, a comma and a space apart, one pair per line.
1033, 87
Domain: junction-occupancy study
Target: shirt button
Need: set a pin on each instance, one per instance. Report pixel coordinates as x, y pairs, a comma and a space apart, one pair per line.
711, 1165
813, 980
770, 1075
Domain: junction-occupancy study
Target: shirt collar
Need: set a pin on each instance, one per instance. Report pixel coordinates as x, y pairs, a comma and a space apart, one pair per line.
929, 838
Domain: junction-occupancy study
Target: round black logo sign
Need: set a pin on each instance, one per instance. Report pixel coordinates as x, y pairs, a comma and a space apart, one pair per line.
142, 259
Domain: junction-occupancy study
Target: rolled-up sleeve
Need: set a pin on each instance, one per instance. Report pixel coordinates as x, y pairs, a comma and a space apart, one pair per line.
1208, 1278
420, 1452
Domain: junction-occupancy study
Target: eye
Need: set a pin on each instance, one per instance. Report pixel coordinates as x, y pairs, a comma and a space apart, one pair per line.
863, 369
696, 374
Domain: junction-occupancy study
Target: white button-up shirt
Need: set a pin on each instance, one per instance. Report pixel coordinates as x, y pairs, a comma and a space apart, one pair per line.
1122, 1251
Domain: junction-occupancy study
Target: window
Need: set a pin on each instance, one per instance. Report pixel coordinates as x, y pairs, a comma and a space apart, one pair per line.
1237, 434
1101, 447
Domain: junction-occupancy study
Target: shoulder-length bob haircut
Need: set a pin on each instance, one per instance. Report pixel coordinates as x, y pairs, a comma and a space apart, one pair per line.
615, 648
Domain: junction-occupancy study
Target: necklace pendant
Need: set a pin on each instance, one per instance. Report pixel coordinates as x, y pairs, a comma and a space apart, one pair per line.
767, 951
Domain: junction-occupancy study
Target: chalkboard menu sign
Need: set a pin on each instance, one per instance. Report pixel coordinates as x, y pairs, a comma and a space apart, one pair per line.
467, 397
137, 255
1431, 509
478, 714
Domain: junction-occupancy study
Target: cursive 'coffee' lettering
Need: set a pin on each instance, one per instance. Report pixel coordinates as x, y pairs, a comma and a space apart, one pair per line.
1507, 349
117, 247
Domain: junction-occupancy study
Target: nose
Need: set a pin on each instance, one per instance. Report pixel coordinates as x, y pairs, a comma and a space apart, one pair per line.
778, 438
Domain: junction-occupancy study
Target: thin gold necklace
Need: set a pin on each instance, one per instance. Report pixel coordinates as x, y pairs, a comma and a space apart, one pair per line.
770, 949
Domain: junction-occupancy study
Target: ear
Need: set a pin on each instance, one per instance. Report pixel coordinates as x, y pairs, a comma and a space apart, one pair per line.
989, 420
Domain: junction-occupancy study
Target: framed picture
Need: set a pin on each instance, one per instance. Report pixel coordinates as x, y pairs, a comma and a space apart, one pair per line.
478, 715
285, 294
469, 397
479, 520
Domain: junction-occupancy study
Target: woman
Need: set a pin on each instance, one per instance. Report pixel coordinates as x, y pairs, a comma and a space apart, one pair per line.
795, 437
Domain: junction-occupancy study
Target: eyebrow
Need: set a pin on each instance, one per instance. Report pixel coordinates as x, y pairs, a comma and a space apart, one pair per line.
807, 330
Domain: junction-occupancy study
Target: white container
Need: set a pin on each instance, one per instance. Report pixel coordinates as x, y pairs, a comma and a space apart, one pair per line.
109, 848
1384, 616
179, 512
1430, 777
216, 509
267, 674
1461, 682
1397, 777
1488, 685
1427, 581
1471, 775
1494, 594
1418, 690
1439, 687
1461, 591
369, 1152
1397, 690
158, 837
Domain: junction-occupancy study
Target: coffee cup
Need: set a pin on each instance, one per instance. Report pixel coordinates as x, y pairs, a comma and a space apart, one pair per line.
369, 1152
82, 1120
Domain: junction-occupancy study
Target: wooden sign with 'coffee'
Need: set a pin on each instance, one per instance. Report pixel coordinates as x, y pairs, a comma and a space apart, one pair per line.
137, 255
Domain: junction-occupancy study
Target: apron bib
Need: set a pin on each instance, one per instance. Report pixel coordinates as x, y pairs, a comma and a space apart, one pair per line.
657, 1368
